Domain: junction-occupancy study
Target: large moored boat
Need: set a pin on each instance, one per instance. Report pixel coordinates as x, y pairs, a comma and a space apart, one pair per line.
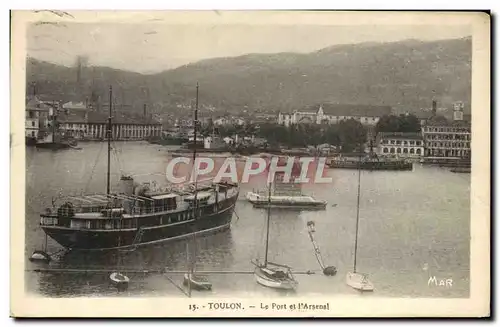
139, 214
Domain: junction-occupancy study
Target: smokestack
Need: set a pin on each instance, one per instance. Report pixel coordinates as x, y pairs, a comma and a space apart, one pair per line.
434, 107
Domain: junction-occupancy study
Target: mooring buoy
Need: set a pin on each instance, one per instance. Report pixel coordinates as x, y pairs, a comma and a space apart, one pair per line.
330, 271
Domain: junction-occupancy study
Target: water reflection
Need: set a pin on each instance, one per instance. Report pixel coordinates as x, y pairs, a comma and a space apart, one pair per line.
408, 220
213, 253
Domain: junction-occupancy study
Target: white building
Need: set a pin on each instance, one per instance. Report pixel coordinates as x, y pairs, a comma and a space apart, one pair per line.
36, 117
447, 139
444, 138
229, 121
409, 145
91, 125
72, 106
335, 113
32, 123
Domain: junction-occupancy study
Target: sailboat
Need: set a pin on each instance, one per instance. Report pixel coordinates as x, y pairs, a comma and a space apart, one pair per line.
195, 281
190, 278
355, 279
271, 274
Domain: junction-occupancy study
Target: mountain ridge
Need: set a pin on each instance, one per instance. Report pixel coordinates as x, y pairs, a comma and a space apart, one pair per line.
406, 75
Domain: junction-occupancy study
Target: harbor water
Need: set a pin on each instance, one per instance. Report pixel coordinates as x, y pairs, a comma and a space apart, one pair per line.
413, 225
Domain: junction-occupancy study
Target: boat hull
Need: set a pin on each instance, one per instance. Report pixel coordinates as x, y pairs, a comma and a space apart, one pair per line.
30, 141
199, 285
168, 141
359, 282
373, 165
89, 240
462, 170
54, 146
264, 280
306, 206
288, 202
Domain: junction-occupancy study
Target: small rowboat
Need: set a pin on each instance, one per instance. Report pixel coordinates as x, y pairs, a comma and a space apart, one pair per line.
40, 256
275, 278
197, 282
119, 280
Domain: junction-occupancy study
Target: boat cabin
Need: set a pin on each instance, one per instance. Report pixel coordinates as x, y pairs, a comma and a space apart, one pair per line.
201, 198
162, 202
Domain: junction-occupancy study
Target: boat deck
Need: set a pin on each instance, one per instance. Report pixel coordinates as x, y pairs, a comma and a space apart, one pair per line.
91, 206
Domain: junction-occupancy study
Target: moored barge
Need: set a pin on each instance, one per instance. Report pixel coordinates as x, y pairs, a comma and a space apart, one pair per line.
285, 201
372, 164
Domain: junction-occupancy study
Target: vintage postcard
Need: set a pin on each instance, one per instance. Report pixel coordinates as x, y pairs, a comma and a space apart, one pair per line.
250, 164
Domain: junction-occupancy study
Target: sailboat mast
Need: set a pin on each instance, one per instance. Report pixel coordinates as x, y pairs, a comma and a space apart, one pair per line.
267, 226
54, 122
357, 214
195, 205
109, 140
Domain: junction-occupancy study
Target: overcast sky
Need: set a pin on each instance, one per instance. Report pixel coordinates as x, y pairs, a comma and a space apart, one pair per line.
151, 48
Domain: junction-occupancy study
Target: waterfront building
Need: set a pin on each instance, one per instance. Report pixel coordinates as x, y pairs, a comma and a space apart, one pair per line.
335, 113
91, 125
447, 139
36, 117
444, 138
409, 145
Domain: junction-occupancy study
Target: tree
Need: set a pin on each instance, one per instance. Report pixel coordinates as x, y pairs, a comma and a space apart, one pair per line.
331, 135
351, 134
409, 124
398, 124
387, 123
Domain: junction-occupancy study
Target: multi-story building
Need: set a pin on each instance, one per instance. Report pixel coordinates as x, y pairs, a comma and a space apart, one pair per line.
86, 124
229, 121
400, 144
37, 117
335, 113
92, 126
32, 122
445, 138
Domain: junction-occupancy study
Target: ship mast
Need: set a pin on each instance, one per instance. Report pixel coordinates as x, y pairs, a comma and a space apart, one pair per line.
357, 214
267, 228
54, 122
109, 140
195, 201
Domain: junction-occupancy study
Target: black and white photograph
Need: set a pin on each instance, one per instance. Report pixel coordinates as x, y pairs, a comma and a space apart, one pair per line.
219, 163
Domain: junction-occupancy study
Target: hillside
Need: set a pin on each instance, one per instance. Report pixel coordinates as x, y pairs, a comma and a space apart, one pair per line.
405, 75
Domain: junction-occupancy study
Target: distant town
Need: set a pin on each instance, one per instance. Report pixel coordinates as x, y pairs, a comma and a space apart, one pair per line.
330, 128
